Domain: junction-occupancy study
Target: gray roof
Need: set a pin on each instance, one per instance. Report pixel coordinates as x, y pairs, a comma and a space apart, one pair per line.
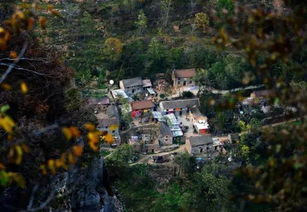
201, 140
108, 117
182, 103
108, 122
137, 81
95, 101
165, 130
112, 111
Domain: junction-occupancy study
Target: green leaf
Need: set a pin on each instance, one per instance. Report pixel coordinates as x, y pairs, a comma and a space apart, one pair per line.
4, 108
4, 178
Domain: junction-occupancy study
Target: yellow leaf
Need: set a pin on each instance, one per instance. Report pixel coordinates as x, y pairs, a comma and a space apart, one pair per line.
19, 154
77, 150
75, 131
71, 158
113, 127
67, 133
19, 14
89, 127
13, 55
7, 124
25, 148
24, 88
18, 178
93, 137
31, 22
58, 163
6, 86
2, 166
93, 146
43, 169
51, 166
108, 138
42, 22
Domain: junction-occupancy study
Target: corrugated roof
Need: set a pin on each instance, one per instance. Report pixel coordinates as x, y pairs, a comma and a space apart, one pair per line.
140, 105
185, 73
201, 140
137, 81
182, 103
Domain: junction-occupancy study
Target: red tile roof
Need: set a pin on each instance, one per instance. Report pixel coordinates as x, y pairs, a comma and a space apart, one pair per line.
141, 105
185, 73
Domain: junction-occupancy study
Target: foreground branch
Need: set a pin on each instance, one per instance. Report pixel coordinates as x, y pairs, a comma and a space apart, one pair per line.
12, 65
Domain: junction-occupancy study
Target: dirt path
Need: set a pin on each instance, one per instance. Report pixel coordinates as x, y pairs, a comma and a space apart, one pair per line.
145, 158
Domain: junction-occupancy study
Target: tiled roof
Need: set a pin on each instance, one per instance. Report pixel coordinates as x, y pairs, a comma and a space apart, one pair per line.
147, 83
103, 101
201, 140
108, 122
137, 81
165, 130
185, 73
108, 117
140, 105
182, 103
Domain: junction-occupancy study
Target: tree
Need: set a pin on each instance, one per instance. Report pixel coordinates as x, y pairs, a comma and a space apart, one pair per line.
211, 188
186, 164
187, 94
113, 48
155, 57
141, 22
269, 37
201, 21
166, 6
123, 153
43, 132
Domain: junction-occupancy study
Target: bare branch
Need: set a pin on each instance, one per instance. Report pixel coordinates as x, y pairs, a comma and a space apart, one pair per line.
44, 204
23, 69
32, 197
11, 67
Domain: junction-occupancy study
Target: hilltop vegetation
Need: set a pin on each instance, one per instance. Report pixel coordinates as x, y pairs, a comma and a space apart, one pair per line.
122, 39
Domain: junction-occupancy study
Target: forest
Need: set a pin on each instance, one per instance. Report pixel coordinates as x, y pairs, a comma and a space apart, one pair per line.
68, 143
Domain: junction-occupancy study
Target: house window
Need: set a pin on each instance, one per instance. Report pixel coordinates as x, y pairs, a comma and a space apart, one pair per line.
191, 81
184, 83
133, 90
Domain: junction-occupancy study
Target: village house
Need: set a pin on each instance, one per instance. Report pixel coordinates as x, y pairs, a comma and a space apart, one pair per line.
139, 108
174, 125
183, 77
200, 146
109, 121
98, 104
179, 107
200, 122
136, 86
132, 86
166, 135
145, 140
120, 93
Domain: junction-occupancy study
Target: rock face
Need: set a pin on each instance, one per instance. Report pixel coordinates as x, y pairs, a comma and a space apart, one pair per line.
79, 189
90, 193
